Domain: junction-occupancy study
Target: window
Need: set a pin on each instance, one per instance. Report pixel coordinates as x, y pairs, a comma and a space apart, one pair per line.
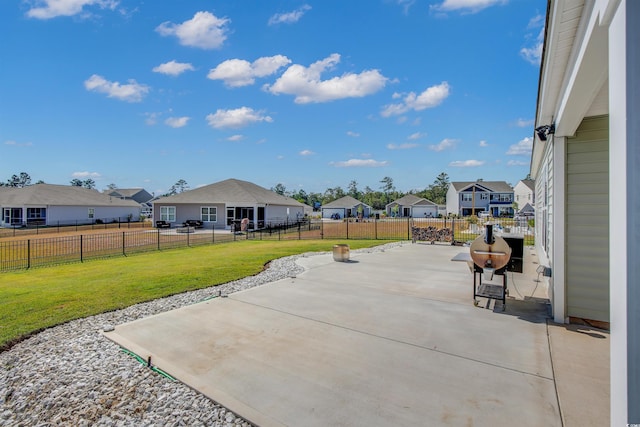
209, 214
467, 197
92, 213
36, 213
484, 196
168, 213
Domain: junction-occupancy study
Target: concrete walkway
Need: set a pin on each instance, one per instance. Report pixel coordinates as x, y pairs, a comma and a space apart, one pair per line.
390, 338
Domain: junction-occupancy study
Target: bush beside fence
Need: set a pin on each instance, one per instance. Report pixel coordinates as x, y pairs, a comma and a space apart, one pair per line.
38, 252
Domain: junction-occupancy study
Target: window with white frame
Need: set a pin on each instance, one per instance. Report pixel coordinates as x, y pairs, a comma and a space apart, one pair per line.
168, 213
467, 197
209, 214
92, 213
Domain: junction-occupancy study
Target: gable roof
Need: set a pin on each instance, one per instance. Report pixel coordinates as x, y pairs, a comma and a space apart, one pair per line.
530, 183
59, 195
411, 200
126, 192
230, 191
345, 202
494, 186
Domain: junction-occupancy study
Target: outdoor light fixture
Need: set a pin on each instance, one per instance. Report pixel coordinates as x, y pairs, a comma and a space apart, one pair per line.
543, 131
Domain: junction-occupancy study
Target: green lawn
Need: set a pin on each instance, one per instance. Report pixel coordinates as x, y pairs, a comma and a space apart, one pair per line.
31, 300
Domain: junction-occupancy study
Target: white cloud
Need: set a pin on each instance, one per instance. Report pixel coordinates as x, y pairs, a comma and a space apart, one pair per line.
130, 92
289, 17
47, 9
443, 145
416, 135
536, 22
370, 163
517, 163
204, 30
522, 123
238, 72
483, 143
406, 5
533, 53
173, 68
466, 6
86, 174
240, 117
353, 134
305, 82
466, 163
235, 138
176, 122
522, 148
306, 153
152, 118
18, 144
405, 146
431, 97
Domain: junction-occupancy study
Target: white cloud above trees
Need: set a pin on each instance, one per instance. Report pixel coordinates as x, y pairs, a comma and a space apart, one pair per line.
306, 84
429, 98
239, 72
204, 30
130, 92
236, 118
173, 68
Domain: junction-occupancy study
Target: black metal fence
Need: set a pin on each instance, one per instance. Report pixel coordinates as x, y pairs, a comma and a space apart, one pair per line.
38, 252
56, 227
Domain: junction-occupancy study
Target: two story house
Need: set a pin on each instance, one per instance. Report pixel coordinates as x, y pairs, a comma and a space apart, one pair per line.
472, 198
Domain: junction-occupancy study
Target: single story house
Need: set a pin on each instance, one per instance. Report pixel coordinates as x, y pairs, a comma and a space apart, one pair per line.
346, 207
225, 203
585, 164
49, 204
412, 206
472, 198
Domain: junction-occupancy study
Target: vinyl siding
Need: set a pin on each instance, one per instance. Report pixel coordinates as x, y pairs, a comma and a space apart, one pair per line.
587, 221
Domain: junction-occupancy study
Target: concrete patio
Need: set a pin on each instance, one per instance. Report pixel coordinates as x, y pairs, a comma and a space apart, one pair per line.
389, 338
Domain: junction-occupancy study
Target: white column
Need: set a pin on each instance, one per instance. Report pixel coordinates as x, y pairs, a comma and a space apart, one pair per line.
558, 236
624, 205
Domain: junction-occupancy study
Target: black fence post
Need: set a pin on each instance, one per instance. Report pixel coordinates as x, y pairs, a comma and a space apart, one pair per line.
453, 230
213, 234
29, 253
124, 253
158, 234
408, 228
81, 260
347, 219
299, 233
187, 233
321, 228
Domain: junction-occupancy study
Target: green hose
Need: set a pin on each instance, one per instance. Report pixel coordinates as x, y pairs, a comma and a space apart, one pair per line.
145, 363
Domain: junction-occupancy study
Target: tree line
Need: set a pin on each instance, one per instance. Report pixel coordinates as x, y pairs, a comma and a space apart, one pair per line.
377, 199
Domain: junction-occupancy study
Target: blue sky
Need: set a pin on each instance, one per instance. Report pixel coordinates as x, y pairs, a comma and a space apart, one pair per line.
309, 94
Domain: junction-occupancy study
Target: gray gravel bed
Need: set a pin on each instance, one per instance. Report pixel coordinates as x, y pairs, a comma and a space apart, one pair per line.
72, 375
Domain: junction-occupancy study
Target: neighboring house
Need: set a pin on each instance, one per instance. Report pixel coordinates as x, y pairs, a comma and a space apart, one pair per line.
225, 203
469, 198
49, 204
346, 207
140, 195
524, 193
585, 164
412, 206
